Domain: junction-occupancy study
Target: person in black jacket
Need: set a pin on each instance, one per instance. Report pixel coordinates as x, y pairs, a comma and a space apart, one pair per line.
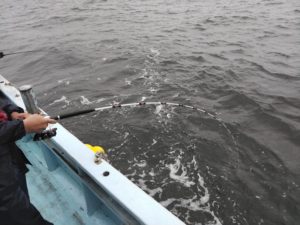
15, 206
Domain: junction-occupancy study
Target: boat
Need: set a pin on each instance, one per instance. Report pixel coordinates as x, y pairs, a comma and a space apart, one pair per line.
70, 184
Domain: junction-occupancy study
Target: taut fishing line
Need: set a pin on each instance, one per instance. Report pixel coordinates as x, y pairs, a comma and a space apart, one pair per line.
2, 54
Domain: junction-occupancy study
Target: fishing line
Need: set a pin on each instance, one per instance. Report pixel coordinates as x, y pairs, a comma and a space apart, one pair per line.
15, 53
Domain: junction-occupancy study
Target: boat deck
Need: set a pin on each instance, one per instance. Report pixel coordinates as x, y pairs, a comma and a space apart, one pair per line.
58, 194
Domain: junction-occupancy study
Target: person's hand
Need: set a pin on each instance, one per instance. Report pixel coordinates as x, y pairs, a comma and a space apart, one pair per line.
19, 116
36, 123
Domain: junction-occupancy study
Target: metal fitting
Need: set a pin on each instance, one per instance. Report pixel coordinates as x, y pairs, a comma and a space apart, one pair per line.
97, 158
29, 99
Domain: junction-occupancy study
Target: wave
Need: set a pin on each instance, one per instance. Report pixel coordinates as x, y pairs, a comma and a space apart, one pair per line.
281, 54
115, 59
261, 68
237, 100
197, 58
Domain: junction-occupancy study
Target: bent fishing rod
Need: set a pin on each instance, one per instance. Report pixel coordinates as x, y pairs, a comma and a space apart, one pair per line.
118, 105
141, 104
16, 53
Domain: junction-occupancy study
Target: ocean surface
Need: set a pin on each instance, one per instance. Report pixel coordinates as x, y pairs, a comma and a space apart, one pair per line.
238, 60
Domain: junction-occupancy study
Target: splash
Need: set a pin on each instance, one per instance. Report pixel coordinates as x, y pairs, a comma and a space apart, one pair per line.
179, 173
62, 99
84, 101
64, 81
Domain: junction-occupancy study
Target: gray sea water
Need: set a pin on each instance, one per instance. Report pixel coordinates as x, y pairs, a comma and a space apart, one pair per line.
239, 60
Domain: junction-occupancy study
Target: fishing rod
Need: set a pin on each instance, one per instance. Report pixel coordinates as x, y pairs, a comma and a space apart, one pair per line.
15, 53
141, 104
118, 105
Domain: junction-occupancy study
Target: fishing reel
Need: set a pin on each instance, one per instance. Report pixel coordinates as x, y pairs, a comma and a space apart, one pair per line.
45, 134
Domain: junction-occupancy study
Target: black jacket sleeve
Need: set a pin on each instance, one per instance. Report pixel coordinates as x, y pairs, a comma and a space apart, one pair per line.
10, 108
10, 131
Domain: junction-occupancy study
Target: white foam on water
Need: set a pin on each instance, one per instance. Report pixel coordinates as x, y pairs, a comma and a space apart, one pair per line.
153, 90
62, 99
84, 100
179, 173
205, 198
99, 100
126, 134
131, 175
141, 163
158, 109
167, 202
154, 52
152, 173
154, 142
64, 81
176, 95
128, 82
144, 73
151, 192
122, 144
192, 205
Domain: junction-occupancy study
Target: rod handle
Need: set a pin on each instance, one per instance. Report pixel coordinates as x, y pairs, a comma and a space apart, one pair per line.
71, 114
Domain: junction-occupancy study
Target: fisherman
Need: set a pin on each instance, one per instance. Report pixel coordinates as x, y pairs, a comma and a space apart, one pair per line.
15, 206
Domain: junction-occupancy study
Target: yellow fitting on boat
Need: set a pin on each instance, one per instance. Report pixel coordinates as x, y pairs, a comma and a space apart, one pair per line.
96, 149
